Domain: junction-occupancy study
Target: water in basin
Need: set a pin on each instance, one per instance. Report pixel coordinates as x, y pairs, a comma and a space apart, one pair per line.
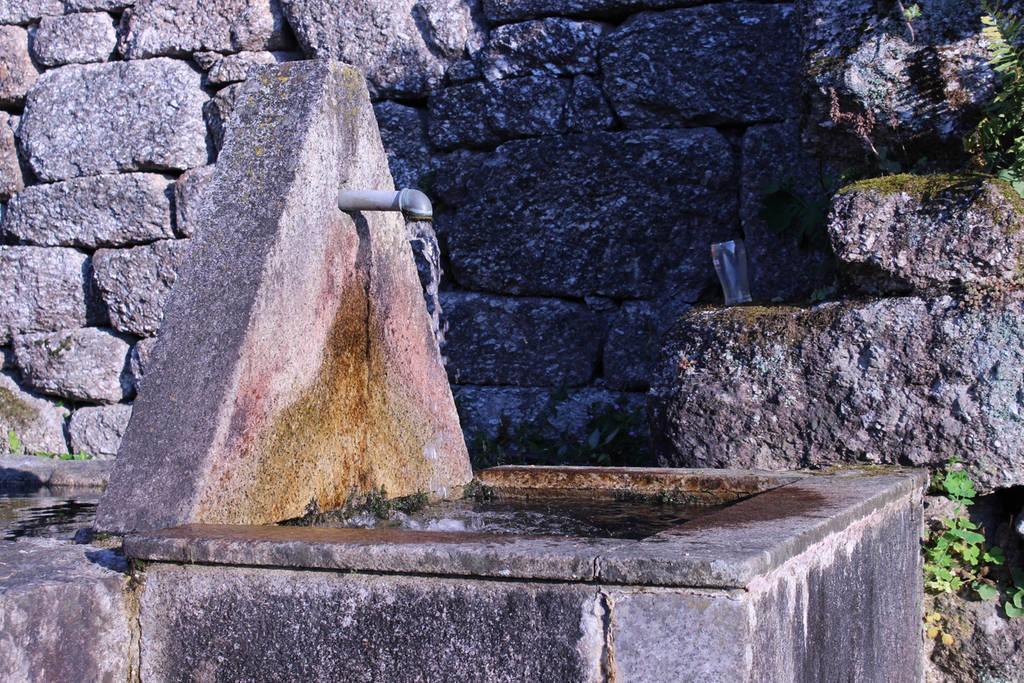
45, 513
549, 516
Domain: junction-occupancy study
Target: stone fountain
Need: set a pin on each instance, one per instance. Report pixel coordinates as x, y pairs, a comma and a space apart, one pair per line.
296, 368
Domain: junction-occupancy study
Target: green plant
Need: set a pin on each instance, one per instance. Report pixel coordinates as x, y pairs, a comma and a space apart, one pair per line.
13, 442
802, 213
1014, 605
997, 144
955, 554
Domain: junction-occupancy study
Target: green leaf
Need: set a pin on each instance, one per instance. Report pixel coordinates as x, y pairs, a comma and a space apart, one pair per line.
1013, 612
13, 441
986, 591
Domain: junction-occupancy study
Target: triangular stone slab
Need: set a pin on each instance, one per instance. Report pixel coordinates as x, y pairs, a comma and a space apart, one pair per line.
295, 363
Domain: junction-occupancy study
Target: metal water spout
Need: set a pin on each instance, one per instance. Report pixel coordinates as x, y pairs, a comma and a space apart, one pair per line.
413, 204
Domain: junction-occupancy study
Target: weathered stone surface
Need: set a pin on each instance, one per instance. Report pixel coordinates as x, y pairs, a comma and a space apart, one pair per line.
96, 5
87, 364
188, 189
484, 113
134, 283
588, 213
44, 290
781, 267
32, 473
986, 644
528, 106
426, 252
64, 612
153, 28
26, 11
549, 47
458, 116
38, 423
587, 109
435, 629
875, 88
721, 63
483, 408
404, 133
11, 180
217, 112
905, 380
222, 69
358, 399
121, 116
97, 430
138, 360
501, 11
634, 337
844, 552
97, 211
17, 72
527, 341
74, 39
403, 47
928, 234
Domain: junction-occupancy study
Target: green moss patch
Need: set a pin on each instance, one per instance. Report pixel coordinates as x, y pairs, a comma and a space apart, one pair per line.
14, 410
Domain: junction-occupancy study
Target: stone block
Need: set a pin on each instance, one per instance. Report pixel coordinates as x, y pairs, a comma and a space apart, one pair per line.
403, 47
928, 234
630, 352
138, 360
26, 11
44, 290
37, 422
11, 180
65, 613
479, 114
503, 11
519, 341
483, 409
403, 130
357, 398
725, 63
88, 364
153, 28
546, 47
91, 212
223, 69
587, 109
74, 39
134, 283
781, 266
905, 380
872, 85
458, 117
217, 112
588, 213
433, 629
188, 189
97, 430
121, 116
17, 71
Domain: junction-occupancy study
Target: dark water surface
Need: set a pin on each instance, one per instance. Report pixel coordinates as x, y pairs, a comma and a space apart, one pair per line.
45, 513
579, 517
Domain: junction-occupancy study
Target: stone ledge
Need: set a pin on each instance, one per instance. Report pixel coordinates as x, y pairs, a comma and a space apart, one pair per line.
726, 549
34, 472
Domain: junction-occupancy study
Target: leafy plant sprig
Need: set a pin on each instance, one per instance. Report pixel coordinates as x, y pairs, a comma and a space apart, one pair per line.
955, 556
997, 144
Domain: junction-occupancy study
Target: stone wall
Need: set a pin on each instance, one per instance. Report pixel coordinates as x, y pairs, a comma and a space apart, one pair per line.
582, 154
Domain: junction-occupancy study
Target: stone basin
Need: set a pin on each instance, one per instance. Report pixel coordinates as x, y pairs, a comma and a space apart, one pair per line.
803, 576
